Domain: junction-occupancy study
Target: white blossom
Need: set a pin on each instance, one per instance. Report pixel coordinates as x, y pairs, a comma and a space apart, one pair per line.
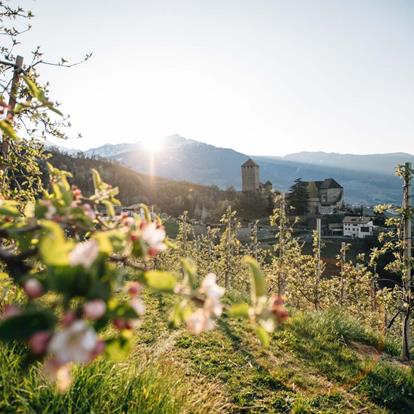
213, 294
154, 236
199, 321
84, 254
73, 344
51, 211
138, 306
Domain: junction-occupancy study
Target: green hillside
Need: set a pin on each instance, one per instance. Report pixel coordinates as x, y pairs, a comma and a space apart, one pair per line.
317, 363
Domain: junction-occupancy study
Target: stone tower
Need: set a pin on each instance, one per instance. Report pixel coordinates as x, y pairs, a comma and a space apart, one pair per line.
250, 176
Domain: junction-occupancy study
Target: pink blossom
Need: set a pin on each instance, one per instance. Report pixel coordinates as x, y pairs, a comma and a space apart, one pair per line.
68, 318
33, 288
94, 309
84, 254
10, 311
134, 288
38, 342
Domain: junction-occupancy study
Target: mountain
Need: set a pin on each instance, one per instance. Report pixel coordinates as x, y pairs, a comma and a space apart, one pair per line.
371, 162
367, 179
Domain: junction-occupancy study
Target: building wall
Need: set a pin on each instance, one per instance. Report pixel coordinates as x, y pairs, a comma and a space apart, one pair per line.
359, 231
250, 178
331, 195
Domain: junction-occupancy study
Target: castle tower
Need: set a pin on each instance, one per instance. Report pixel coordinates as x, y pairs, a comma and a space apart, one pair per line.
250, 176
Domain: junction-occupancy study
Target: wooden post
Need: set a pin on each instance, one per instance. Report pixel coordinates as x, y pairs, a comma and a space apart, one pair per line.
318, 263
343, 259
282, 281
405, 354
12, 101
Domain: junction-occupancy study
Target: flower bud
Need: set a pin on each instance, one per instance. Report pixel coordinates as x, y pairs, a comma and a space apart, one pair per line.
134, 288
33, 288
38, 342
94, 309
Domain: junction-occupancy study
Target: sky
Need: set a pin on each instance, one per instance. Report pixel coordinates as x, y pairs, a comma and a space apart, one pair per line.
264, 77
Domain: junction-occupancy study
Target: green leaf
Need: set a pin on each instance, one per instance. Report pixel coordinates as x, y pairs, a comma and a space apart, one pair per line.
258, 279
104, 243
190, 270
34, 90
109, 208
54, 109
53, 247
7, 129
159, 280
23, 326
147, 214
9, 208
239, 310
263, 336
97, 181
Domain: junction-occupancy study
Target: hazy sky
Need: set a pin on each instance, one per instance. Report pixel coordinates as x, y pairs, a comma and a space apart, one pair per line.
262, 77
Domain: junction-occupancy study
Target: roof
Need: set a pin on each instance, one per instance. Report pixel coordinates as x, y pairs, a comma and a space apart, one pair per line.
268, 183
356, 220
329, 183
249, 163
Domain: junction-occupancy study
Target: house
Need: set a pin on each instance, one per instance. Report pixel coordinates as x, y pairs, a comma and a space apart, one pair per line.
335, 229
358, 227
325, 197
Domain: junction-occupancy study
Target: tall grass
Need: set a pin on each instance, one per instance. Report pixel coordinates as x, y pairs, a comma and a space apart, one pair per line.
136, 386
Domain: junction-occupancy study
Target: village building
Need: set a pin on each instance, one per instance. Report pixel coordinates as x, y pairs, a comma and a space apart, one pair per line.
325, 197
358, 227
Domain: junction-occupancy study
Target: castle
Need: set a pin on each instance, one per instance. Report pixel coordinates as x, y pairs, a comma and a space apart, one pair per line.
251, 178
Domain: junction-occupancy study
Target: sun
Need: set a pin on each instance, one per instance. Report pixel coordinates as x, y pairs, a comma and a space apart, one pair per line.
152, 145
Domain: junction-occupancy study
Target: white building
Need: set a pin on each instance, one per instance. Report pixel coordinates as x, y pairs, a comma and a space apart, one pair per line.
359, 227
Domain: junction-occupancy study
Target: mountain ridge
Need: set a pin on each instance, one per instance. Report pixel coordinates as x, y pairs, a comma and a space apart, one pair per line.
367, 179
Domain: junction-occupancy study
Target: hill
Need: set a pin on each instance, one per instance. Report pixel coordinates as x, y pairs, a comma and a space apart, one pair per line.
169, 196
318, 363
367, 179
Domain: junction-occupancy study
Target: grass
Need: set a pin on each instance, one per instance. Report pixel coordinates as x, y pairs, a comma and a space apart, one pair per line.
139, 385
318, 363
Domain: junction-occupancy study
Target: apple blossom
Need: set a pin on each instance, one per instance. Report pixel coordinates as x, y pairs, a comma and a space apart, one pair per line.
138, 306
74, 343
199, 321
213, 293
153, 235
84, 254
278, 309
94, 309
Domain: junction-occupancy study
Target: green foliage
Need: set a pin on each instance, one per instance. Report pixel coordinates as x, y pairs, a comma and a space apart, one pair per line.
298, 197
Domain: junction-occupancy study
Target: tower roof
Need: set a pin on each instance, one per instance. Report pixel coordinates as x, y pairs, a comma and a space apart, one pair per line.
249, 163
